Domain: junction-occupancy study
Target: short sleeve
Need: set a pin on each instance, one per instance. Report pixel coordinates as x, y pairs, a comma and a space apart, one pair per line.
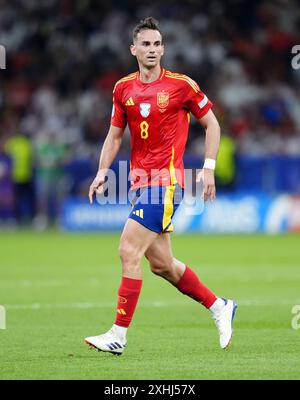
195, 100
118, 114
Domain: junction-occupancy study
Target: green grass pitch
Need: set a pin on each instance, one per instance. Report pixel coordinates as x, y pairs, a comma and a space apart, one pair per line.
58, 288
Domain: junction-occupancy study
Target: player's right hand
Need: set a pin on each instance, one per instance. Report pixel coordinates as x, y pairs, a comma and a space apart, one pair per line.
96, 186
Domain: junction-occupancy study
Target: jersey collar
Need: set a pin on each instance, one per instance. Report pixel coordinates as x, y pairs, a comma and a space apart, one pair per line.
162, 74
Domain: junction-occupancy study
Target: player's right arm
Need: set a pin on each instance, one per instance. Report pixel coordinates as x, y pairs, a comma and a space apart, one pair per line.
109, 151
112, 142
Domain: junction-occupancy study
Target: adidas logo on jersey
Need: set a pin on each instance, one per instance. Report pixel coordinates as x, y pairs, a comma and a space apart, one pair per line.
139, 213
129, 102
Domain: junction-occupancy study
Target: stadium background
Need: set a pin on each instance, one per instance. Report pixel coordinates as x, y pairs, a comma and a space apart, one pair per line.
63, 58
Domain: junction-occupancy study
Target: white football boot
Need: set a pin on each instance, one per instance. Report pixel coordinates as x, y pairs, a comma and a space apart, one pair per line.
110, 342
224, 321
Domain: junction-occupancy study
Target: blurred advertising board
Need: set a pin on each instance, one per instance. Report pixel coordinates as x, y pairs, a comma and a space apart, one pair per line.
230, 214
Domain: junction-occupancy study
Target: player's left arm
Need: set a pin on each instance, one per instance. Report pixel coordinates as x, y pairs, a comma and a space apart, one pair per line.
212, 142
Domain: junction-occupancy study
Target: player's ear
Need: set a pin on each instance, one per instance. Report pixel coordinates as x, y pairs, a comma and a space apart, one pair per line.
133, 49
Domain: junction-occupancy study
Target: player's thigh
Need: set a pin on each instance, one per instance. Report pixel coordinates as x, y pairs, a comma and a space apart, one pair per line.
135, 239
159, 253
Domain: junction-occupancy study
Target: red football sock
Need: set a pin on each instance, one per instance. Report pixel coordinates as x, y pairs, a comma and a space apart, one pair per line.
190, 285
129, 292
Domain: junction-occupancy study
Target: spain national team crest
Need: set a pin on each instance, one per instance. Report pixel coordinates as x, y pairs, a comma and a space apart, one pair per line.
163, 100
145, 109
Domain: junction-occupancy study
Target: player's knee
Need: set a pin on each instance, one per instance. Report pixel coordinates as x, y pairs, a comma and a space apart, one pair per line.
157, 269
160, 267
128, 253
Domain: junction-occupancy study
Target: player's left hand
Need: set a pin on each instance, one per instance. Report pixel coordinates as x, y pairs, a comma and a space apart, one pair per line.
207, 176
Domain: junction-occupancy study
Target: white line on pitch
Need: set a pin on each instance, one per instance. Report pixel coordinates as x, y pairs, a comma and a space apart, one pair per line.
159, 304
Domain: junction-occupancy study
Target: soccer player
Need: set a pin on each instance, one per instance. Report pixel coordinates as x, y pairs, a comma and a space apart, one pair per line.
156, 104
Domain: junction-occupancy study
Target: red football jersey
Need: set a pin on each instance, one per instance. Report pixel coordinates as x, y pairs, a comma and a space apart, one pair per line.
158, 115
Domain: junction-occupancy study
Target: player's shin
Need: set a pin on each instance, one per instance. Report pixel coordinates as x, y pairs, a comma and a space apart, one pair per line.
190, 285
128, 296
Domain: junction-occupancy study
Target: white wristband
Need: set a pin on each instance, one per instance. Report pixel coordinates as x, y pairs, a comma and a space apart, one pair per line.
209, 163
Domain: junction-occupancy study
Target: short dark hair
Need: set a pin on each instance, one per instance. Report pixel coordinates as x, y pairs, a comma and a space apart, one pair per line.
146, 23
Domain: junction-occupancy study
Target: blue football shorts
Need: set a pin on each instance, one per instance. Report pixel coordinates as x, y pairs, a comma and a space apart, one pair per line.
154, 206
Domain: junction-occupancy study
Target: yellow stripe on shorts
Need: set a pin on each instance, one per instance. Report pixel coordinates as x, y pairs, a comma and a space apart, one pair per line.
168, 205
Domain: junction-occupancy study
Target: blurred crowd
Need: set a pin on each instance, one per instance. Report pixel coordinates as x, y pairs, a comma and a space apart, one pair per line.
64, 56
